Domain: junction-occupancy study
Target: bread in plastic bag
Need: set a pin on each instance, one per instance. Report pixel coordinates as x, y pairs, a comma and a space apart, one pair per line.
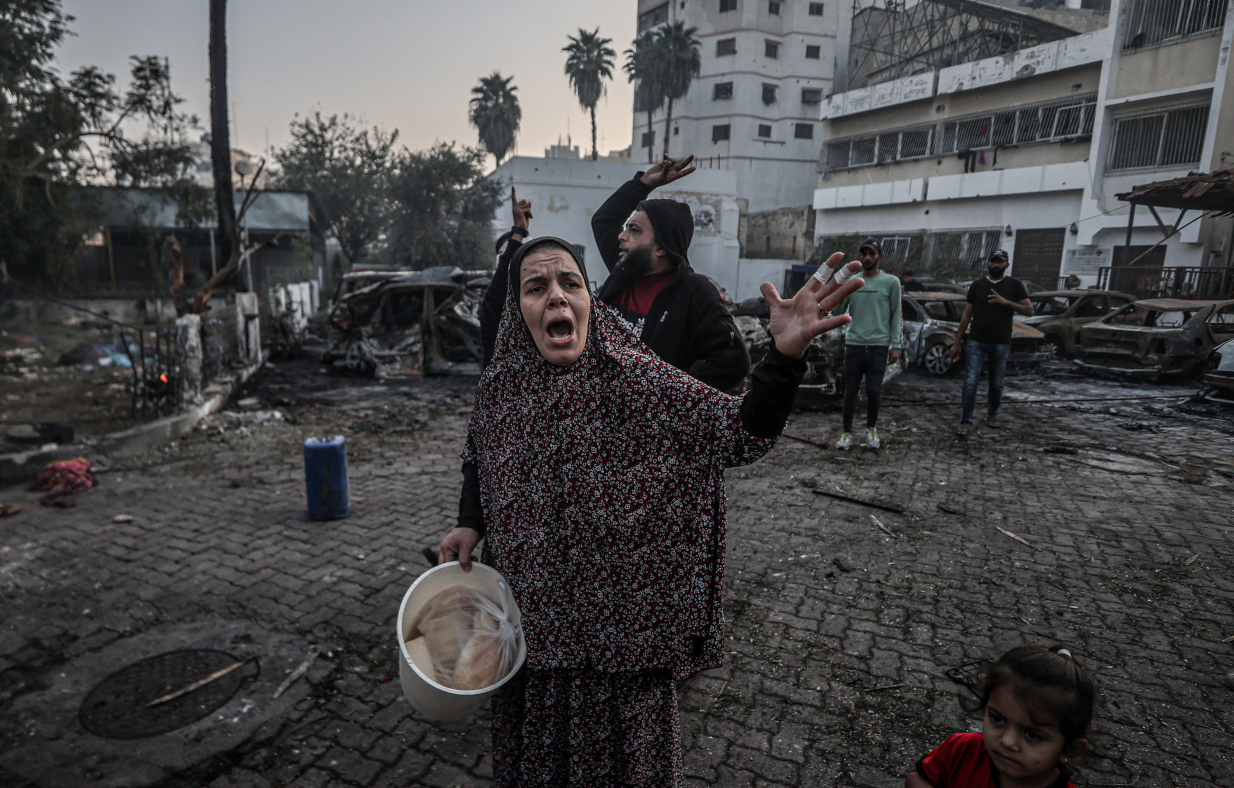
469, 637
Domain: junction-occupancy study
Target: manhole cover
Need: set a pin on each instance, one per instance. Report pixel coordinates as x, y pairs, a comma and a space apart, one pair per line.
116, 708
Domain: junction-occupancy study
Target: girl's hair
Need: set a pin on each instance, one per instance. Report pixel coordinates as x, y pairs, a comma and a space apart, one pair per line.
1050, 685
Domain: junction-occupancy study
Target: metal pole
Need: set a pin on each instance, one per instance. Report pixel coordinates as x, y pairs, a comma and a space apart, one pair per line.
1130, 225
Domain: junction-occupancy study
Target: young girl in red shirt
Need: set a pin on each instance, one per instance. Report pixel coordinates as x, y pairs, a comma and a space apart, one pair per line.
1038, 704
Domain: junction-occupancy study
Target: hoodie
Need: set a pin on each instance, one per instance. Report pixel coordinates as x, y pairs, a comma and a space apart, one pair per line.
688, 325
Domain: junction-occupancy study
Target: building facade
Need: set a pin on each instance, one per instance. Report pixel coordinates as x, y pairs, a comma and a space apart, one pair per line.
1028, 150
754, 107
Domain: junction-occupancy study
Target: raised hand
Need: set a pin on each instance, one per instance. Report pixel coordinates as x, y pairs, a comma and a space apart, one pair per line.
796, 321
667, 170
522, 210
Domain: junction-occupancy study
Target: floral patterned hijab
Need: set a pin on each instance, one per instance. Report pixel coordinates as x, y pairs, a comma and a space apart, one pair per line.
602, 485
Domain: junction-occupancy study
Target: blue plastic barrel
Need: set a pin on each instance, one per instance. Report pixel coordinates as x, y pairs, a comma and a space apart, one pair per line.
325, 474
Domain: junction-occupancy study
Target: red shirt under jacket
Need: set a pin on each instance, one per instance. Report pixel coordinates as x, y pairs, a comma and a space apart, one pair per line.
638, 297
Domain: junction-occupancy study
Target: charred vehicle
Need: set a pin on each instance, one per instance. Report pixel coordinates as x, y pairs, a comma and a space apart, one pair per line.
1155, 338
1219, 375
824, 360
930, 324
424, 322
1059, 314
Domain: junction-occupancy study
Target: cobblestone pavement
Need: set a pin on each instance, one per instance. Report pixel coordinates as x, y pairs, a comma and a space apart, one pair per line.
839, 632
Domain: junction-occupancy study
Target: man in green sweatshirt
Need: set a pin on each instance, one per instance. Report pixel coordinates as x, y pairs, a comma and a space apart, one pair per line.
872, 342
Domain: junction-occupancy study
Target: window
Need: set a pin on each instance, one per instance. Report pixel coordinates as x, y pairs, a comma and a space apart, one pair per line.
653, 17
1170, 138
728, 5
726, 46
773, 7
896, 145
720, 133
803, 131
813, 51
769, 94
722, 90
772, 49
1158, 21
649, 139
1047, 121
816, 9
811, 96
764, 130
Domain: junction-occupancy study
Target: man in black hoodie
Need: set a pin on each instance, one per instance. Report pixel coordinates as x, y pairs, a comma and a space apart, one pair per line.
676, 312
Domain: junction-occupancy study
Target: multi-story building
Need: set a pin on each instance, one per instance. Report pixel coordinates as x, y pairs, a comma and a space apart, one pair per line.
754, 107
956, 152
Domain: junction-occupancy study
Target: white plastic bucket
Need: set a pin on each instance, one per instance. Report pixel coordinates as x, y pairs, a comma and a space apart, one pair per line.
434, 701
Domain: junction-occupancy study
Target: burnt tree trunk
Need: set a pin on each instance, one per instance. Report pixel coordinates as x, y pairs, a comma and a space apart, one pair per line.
220, 135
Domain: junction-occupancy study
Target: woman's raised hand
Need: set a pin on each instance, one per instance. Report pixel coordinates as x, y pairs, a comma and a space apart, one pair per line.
796, 321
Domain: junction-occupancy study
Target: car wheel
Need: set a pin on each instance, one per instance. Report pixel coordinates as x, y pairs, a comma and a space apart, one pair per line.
938, 359
1053, 348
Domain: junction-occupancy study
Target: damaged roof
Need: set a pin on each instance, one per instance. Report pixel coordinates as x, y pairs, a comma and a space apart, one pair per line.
1197, 191
1177, 304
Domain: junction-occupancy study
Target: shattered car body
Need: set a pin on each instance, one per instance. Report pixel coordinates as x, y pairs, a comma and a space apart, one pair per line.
1059, 314
424, 322
1219, 377
930, 324
824, 360
1155, 338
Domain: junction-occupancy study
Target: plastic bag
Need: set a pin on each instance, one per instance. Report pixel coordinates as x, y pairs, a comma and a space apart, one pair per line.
469, 638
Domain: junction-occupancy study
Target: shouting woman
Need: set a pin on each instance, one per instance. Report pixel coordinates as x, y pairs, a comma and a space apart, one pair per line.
594, 471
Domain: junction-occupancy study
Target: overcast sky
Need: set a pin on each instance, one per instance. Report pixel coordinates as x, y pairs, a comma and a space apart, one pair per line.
405, 64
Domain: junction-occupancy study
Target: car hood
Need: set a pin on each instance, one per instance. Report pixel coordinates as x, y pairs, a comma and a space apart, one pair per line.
1035, 320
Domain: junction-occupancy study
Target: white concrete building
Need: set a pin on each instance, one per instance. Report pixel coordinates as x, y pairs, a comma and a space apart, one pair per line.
1027, 151
564, 193
754, 108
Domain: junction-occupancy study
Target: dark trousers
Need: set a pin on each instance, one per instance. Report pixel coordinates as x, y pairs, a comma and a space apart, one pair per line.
870, 361
975, 355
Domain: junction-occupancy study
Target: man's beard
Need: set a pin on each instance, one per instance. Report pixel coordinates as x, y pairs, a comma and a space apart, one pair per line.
996, 273
635, 266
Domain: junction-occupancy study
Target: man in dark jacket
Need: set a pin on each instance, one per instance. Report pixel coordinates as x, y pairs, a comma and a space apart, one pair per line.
676, 312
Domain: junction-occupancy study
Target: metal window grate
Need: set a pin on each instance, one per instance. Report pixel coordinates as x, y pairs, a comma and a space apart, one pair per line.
1045, 121
894, 145
951, 255
1161, 21
1165, 138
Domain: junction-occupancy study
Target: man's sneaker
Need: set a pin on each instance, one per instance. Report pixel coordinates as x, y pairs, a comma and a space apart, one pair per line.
845, 442
872, 438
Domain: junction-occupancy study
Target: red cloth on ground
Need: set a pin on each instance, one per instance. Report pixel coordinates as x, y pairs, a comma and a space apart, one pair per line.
639, 296
962, 762
65, 476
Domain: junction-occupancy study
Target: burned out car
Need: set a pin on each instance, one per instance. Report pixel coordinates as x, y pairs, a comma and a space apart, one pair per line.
1059, 314
1219, 375
930, 323
824, 360
423, 322
1155, 338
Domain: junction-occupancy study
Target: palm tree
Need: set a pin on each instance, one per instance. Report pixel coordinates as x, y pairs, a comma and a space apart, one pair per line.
681, 62
643, 65
588, 65
496, 114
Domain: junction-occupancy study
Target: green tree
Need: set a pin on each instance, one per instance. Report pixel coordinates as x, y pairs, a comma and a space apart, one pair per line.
496, 114
680, 64
348, 168
643, 66
443, 208
589, 64
57, 135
